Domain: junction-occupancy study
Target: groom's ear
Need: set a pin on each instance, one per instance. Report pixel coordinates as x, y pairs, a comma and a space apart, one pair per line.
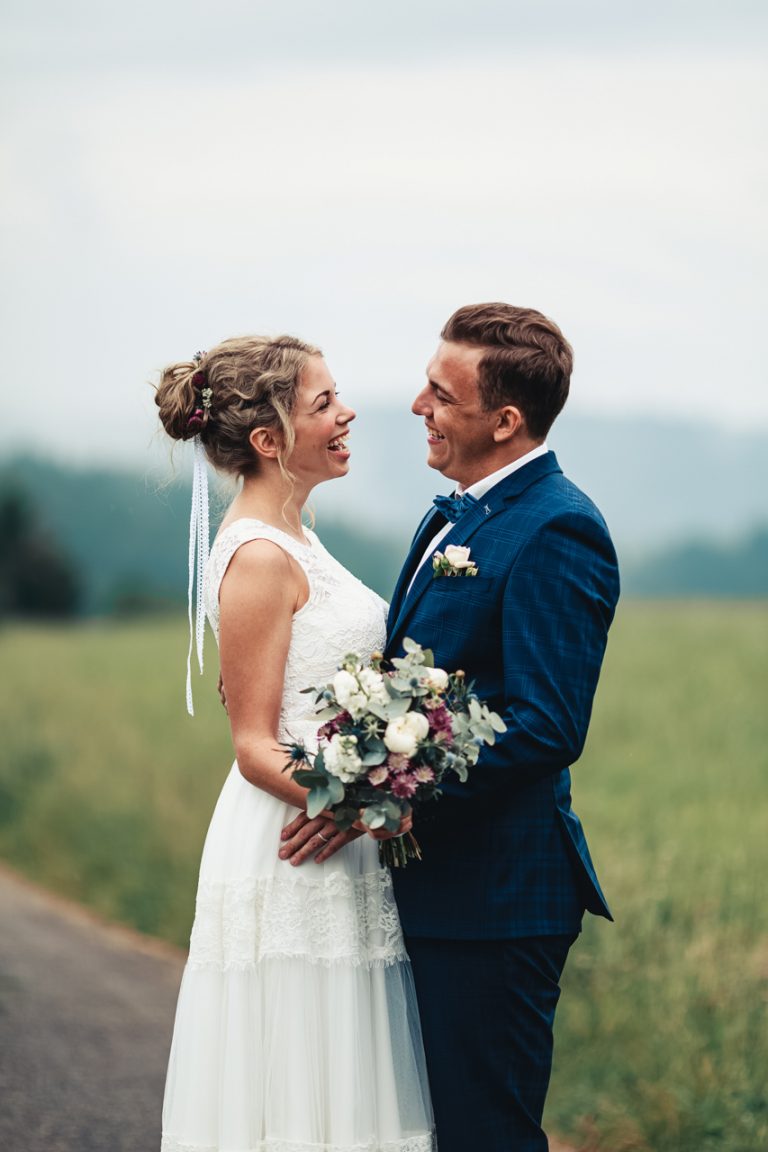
264, 443
509, 421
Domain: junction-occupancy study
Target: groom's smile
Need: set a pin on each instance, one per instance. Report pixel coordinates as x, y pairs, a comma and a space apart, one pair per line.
459, 431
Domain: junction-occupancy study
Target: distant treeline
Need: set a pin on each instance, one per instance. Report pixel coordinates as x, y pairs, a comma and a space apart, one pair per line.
98, 542
114, 543
704, 568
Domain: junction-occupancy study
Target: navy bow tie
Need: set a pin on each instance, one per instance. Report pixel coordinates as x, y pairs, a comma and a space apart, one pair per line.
452, 507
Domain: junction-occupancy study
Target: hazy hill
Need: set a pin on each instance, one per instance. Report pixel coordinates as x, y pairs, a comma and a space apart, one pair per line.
656, 483
703, 568
128, 534
685, 505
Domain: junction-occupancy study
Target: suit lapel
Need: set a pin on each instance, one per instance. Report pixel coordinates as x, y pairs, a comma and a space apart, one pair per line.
489, 506
429, 527
460, 533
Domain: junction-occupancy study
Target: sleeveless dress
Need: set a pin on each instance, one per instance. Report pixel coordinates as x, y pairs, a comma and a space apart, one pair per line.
296, 1026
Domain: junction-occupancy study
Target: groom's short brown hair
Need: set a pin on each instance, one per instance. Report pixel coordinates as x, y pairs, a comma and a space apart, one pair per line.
527, 362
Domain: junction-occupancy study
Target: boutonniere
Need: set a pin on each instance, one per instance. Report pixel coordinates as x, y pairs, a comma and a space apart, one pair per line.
455, 561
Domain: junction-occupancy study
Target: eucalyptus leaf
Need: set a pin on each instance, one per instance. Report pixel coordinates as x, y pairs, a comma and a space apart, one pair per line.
328, 713
398, 706
373, 817
377, 709
318, 799
335, 790
374, 756
399, 686
310, 778
345, 817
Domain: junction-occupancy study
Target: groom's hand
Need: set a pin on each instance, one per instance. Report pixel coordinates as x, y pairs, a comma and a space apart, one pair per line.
222, 693
318, 837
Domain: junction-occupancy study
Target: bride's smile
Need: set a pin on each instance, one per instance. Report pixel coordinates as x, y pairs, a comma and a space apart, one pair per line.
321, 426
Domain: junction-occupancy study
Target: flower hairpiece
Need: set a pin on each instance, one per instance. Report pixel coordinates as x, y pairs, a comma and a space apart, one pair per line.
198, 419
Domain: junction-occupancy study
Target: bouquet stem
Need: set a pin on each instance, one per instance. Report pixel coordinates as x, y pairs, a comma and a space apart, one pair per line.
397, 852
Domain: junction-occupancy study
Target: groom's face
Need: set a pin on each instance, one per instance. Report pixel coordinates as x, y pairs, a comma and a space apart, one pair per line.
459, 433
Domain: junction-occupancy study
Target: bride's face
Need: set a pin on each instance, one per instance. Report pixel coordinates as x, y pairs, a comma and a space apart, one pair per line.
321, 424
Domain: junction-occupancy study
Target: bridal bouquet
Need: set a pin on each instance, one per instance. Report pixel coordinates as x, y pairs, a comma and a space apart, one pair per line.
387, 741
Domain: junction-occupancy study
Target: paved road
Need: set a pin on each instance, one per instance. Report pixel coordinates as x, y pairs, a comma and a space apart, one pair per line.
86, 1013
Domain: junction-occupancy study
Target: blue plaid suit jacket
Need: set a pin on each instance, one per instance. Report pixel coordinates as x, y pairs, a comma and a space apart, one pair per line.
504, 854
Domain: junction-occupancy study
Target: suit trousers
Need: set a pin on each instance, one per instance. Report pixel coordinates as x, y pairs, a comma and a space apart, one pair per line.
487, 1011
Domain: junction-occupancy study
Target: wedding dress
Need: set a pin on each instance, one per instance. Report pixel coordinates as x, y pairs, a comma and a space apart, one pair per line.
296, 1027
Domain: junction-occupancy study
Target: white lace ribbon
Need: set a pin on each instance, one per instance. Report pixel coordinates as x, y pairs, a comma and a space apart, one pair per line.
199, 544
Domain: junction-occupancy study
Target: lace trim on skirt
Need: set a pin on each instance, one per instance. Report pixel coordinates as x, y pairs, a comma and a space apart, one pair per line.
421, 1143
337, 918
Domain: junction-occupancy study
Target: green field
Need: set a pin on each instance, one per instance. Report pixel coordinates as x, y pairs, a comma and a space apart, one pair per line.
106, 787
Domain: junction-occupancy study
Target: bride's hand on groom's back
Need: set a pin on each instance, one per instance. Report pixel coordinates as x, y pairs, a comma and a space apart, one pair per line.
319, 837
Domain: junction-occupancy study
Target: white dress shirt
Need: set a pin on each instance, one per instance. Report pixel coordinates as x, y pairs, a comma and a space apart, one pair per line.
478, 489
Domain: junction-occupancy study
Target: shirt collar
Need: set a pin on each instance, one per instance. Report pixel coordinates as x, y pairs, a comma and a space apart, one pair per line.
480, 487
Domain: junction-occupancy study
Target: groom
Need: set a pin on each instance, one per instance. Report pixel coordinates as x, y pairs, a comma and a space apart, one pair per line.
491, 911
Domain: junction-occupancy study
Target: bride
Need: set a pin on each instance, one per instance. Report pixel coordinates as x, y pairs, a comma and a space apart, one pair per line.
296, 1027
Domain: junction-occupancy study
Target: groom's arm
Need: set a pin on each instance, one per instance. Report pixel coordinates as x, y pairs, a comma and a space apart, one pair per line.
559, 601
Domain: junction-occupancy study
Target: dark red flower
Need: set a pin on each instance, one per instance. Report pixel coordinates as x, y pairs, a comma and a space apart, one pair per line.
331, 727
404, 787
440, 721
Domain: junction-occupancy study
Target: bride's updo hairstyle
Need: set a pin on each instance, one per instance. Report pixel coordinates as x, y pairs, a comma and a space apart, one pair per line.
222, 395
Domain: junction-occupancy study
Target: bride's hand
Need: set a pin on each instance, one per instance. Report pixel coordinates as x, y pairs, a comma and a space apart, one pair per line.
318, 837
222, 693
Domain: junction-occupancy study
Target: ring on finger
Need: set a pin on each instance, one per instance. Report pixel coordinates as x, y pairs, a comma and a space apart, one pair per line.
325, 839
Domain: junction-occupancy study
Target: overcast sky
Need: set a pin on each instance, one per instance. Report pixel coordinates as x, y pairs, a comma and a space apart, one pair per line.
179, 172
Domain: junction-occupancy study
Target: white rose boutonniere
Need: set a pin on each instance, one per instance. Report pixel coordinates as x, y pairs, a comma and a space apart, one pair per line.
455, 561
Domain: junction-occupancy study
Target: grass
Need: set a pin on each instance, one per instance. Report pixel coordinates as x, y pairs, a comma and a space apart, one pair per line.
106, 788
106, 785
662, 1038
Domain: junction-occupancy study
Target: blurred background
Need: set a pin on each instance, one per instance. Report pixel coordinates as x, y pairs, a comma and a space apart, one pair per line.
179, 173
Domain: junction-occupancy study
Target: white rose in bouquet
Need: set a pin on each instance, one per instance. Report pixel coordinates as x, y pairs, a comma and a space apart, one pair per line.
341, 758
372, 684
347, 690
403, 734
344, 684
436, 678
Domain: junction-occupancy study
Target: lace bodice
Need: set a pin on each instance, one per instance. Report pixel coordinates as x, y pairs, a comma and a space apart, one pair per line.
340, 616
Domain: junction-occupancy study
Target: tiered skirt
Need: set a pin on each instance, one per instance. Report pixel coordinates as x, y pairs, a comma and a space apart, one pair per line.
296, 1027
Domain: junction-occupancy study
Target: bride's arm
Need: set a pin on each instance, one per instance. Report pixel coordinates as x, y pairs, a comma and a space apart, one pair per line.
262, 588
260, 592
